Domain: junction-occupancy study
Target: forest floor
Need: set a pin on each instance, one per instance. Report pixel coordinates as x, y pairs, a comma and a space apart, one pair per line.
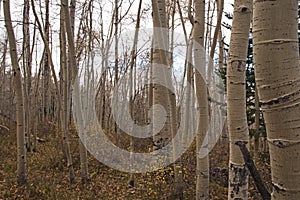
47, 175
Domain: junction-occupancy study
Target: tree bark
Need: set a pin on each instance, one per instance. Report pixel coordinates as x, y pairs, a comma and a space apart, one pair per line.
46, 70
21, 155
65, 91
277, 75
202, 171
160, 93
133, 77
236, 98
27, 73
265, 194
217, 32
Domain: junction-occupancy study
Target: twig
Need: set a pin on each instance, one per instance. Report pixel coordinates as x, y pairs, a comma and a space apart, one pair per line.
2, 126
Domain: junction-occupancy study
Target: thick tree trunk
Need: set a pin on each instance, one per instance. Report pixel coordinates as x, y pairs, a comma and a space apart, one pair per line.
236, 98
277, 73
160, 93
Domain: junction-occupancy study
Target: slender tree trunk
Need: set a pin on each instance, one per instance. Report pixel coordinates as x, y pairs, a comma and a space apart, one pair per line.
224, 134
202, 171
46, 71
188, 108
21, 155
221, 51
116, 51
50, 62
133, 86
4, 84
220, 8
73, 65
256, 125
35, 101
65, 73
27, 72
236, 98
277, 72
178, 188
82, 150
3, 70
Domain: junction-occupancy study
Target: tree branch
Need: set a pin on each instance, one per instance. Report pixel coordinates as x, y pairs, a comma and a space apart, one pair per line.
265, 194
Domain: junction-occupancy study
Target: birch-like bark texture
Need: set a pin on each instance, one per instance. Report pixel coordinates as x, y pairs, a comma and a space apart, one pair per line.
277, 73
21, 154
160, 93
202, 171
236, 98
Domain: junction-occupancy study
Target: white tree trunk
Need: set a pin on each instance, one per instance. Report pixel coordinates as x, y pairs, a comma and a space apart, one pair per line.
277, 75
202, 171
236, 98
21, 156
160, 93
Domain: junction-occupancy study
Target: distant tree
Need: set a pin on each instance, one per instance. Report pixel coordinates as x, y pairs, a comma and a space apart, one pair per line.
65, 85
73, 65
46, 69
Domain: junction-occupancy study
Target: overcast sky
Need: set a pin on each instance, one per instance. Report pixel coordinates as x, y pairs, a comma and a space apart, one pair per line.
17, 7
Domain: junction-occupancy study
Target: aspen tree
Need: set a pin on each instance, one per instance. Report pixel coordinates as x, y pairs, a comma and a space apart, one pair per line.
277, 75
21, 155
202, 169
160, 93
236, 98
27, 60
